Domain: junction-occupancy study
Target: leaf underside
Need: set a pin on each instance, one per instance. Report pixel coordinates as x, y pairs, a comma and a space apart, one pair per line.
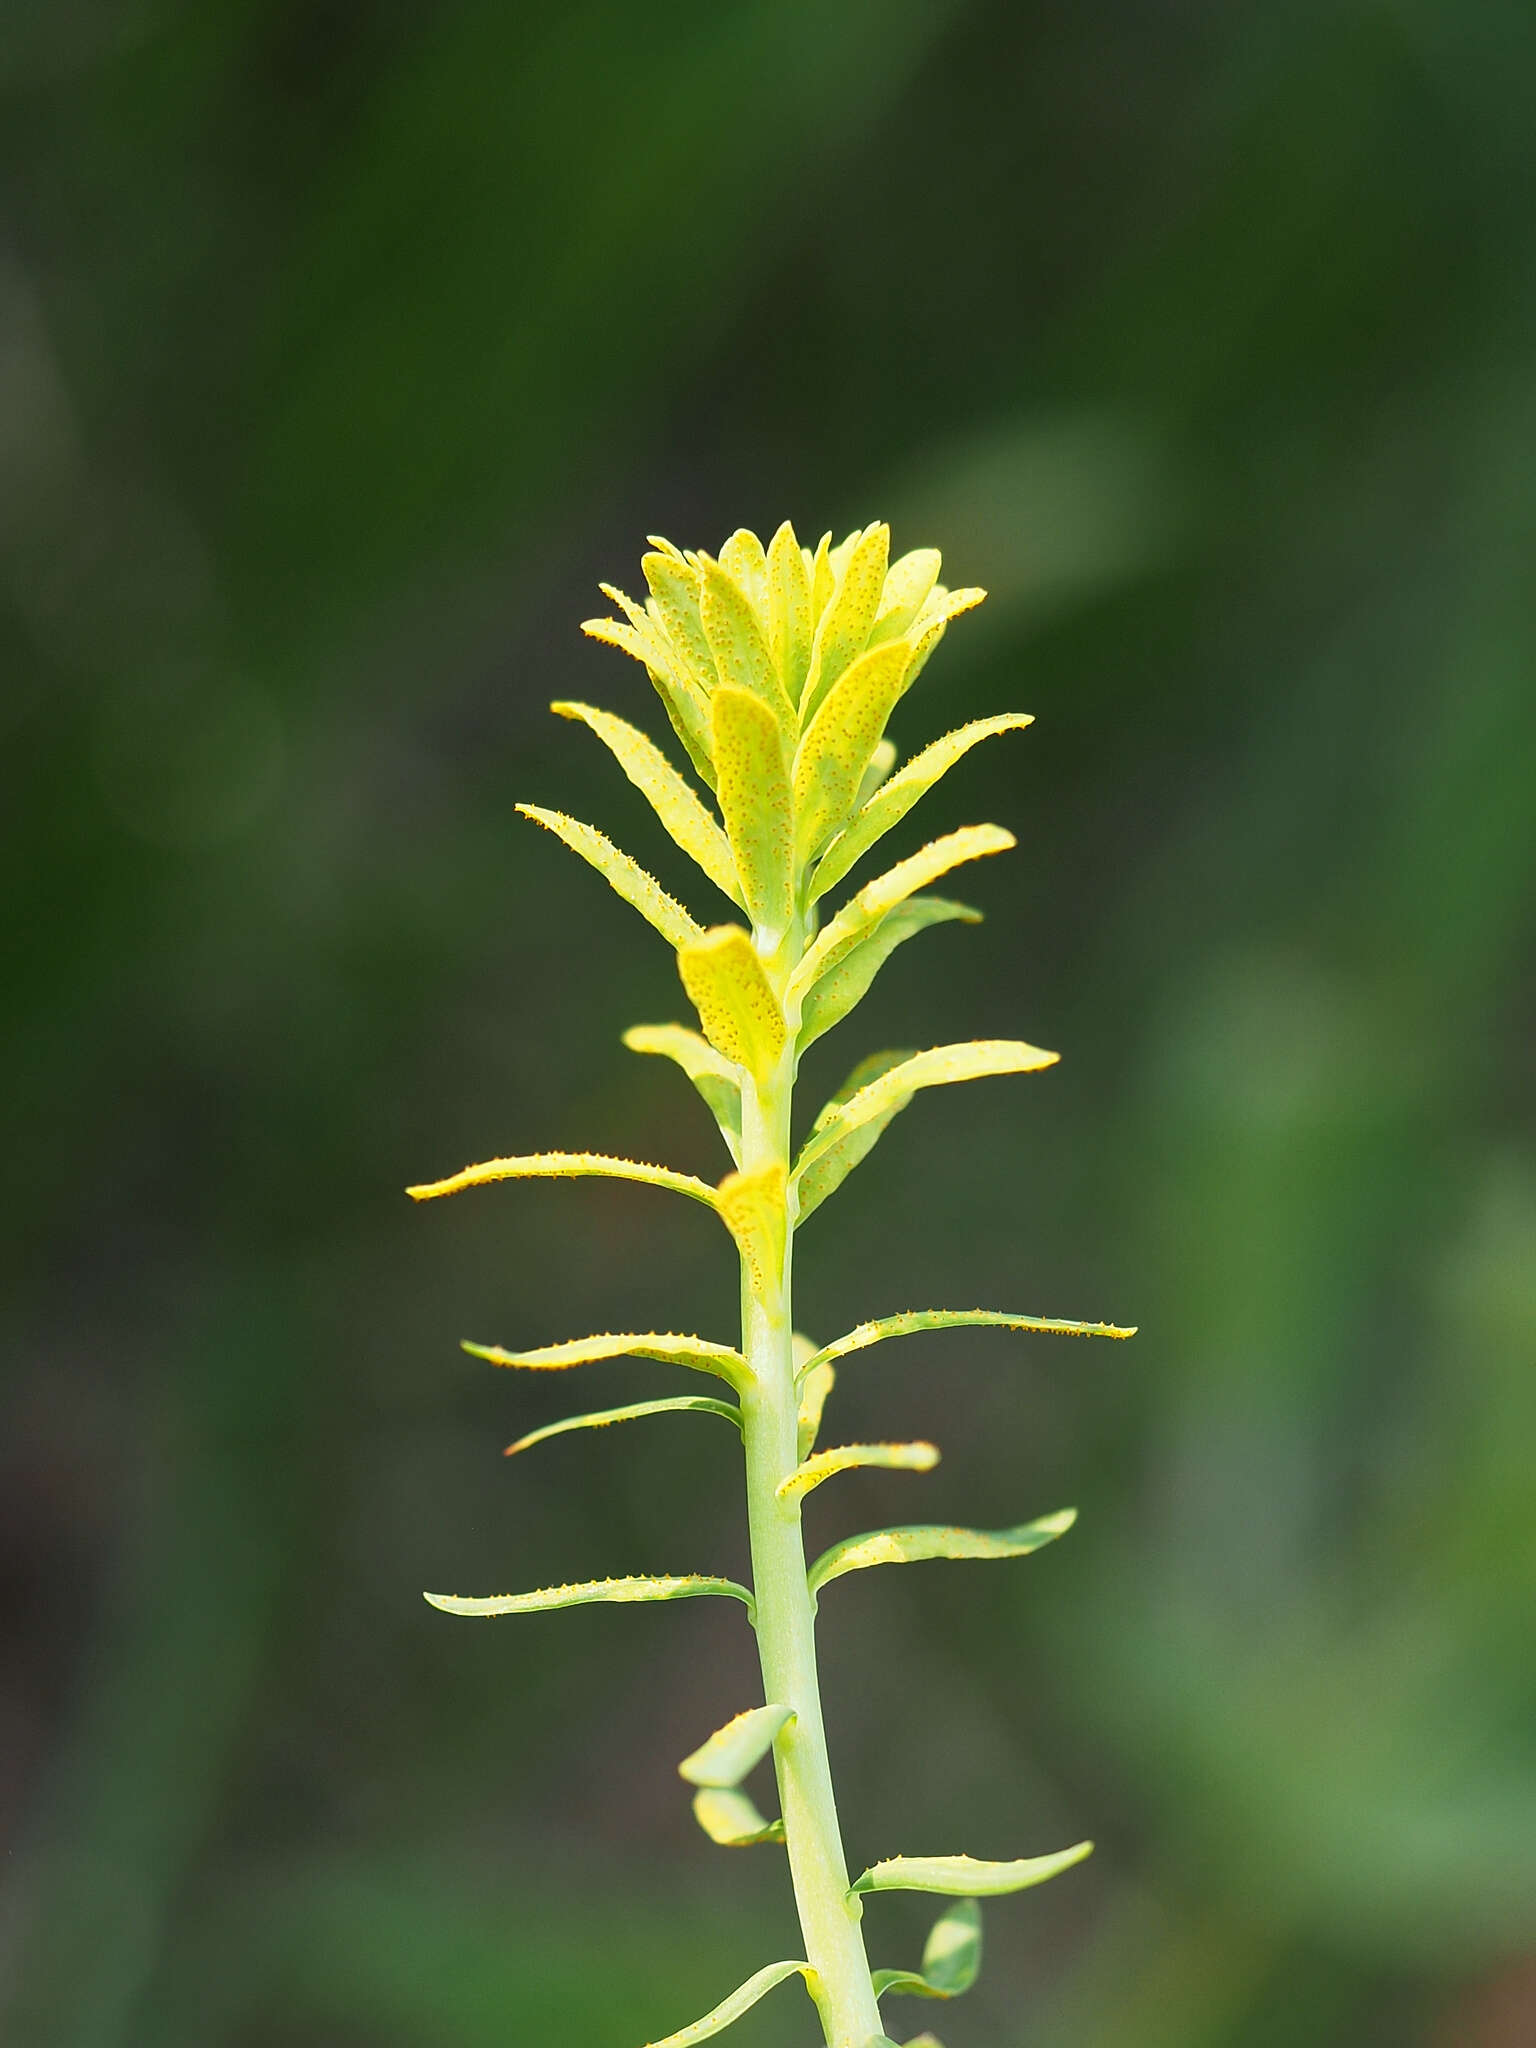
929, 1540
688, 1586
729, 2009
677, 1404
964, 1876
951, 1957
725, 1759
625, 876
911, 1321
564, 1166
731, 1820
913, 1457
976, 1060
697, 1353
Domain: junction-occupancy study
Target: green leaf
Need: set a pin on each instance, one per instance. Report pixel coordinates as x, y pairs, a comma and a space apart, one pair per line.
844, 628
756, 803
914, 1545
840, 741
621, 873
565, 1166
845, 985
699, 1354
717, 1079
789, 610
952, 1952
733, 2007
736, 641
908, 582
964, 1875
976, 1060
730, 1818
914, 1320
925, 2041
685, 818
725, 1759
675, 1404
878, 898
728, 986
689, 1586
888, 805
914, 1457
752, 1206
905, 1983
815, 1383
827, 1172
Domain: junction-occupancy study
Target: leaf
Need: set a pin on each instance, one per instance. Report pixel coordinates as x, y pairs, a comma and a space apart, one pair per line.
621, 873
697, 1353
725, 1759
822, 576
717, 1079
928, 628
752, 1206
964, 1875
881, 762
736, 641
676, 1404
888, 805
685, 818
565, 1166
840, 741
878, 898
728, 986
908, 582
674, 587
687, 704
915, 1545
915, 1457
756, 804
844, 627
952, 1952
789, 610
733, 2007
925, 2041
976, 1060
743, 560
690, 1586
913, 1320
731, 1819
843, 987
826, 1173
905, 1983
815, 1383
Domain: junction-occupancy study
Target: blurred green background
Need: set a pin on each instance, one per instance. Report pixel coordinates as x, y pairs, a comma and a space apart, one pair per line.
344, 346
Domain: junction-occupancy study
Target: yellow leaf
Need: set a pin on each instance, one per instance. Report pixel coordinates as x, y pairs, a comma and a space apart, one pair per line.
940, 1065
915, 1457
789, 610
621, 873
755, 801
736, 641
698, 1354
927, 629
735, 1000
844, 627
752, 1206
907, 584
840, 742
743, 560
564, 1166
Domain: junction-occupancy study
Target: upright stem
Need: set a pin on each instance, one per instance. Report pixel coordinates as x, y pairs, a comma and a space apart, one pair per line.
829, 1914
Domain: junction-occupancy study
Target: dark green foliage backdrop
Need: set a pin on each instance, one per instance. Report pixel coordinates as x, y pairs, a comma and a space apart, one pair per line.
342, 349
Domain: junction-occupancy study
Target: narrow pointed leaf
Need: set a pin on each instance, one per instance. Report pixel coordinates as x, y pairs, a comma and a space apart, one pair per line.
687, 704
752, 1207
815, 1383
697, 1353
565, 1166
730, 1818
716, 1078
908, 582
913, 1320
964, 1875
675, 1404
844, 628
725, 1759
688, 1586
727, 985
789, 610
736, 641
733, 2007
825, 1173
932, 622
890, 803
977, 1060
756, 803
685, 818
915, 1545
914, 1457
840, 741
621, 873
843, 987
878, 898
822, 576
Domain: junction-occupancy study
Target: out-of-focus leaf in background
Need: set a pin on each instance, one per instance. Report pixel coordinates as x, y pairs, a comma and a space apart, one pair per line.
343, 349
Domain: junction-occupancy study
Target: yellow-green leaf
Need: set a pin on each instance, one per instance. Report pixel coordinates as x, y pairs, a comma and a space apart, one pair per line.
843, 629
752, 771
725, 1759
717, 1079
824, 1174
621, 873
674, 1404
913, 1320
730, 1818
743, 560
699, 1354
951, 1957
623, 1592
935, 1068
845, 985
733, 2007
686, 700
564, 1166
877, 898
736, 641
914, 1457
727, 985
674, 587
789, 610
964, 1876
890, 803
815, 1383
914, 1545
821, 576
840, 741
931, 623
752, 1207
881, 762
685, 818
907, 585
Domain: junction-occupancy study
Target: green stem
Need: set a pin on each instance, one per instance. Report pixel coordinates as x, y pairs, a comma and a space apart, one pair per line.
829, 1914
